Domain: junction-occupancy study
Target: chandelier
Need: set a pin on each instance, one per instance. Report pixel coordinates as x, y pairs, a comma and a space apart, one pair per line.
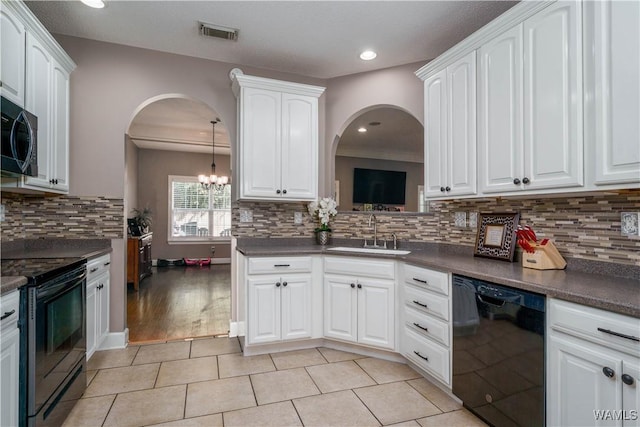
213, 181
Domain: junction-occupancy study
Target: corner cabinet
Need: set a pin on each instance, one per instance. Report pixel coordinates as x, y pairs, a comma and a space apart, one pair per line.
450, 130
98, 286
593, 367
277, 154
45, 69
359, 301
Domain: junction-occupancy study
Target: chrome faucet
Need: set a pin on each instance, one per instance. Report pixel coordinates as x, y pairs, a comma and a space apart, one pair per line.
375, 229
395, 240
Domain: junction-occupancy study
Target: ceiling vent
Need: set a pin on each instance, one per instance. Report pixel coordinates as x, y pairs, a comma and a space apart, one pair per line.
218, 31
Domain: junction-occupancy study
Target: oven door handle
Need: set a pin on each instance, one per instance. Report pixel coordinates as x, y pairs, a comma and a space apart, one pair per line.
48, 290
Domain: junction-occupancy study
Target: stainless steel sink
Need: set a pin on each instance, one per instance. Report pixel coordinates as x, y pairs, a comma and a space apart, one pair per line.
370, 250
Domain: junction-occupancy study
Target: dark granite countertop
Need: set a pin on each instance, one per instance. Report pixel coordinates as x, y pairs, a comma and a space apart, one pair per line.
597, 284
49, 248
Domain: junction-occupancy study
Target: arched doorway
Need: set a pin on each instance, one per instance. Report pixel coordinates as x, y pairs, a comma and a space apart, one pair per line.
169, 142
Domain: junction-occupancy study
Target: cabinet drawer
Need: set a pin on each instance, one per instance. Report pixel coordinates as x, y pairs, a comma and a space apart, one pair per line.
97, 266
9, 307
596, 325
426, 302
280, 265
379, 269
426, 354
433, 280
426, 325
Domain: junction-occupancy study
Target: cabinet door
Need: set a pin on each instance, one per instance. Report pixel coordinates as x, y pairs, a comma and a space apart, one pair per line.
613, 67
93, 314
60, 128
261, 136
553, 145
296, 307
299, 147
376, 313
340, 308
461, 130
12, 35
264, 309
102, 327
9, 369
38, 102
500, 112
576, 384
630, 392
435, 134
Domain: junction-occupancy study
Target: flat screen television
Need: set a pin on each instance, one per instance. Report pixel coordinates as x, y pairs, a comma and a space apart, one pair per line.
379, 186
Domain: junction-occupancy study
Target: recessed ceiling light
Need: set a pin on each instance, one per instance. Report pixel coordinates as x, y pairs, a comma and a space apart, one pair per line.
362, 129
96, 4
368, 55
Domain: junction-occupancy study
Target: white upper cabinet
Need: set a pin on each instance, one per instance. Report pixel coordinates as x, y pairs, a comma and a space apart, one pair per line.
12, 34
500, 111
277, 139
553, 143
43, 69
612, 97
530, 108
450, 130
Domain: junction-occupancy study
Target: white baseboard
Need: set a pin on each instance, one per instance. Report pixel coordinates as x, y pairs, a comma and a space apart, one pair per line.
115, 340
236, 329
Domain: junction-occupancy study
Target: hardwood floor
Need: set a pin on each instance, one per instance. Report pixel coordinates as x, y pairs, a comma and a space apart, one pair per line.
180, 302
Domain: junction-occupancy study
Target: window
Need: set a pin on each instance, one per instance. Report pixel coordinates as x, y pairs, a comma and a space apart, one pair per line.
197, 214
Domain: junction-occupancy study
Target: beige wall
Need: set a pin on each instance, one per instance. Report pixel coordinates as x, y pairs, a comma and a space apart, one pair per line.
344, 173
154, 168
347, 97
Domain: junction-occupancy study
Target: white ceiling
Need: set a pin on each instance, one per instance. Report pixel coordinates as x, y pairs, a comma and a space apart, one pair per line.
313, 38
399, 136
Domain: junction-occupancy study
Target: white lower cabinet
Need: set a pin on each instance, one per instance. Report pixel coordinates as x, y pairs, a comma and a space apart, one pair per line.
98, 287
360, 310
279, 296
9, 359
425, 325
279, 308
592, 373
359, 298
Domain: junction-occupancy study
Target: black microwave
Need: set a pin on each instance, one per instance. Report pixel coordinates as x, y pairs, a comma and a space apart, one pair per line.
19, 140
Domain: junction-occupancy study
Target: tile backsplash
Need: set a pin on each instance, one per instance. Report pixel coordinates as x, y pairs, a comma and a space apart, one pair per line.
61, 217
585, 227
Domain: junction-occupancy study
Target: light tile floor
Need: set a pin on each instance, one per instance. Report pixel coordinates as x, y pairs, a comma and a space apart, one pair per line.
208, 382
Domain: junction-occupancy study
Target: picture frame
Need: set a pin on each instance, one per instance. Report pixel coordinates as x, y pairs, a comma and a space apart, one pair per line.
495, 237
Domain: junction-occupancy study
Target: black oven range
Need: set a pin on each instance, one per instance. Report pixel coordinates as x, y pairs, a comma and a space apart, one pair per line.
52, 337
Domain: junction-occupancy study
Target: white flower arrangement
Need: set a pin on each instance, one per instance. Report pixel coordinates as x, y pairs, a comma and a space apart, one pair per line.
323, 210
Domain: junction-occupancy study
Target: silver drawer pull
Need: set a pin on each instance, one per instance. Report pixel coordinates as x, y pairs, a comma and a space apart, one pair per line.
418, 325
417, 353
420, 280
7, 314
618, 334
420, 304
281, 265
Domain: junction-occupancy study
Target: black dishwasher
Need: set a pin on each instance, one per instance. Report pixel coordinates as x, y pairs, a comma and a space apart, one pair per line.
498, 352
